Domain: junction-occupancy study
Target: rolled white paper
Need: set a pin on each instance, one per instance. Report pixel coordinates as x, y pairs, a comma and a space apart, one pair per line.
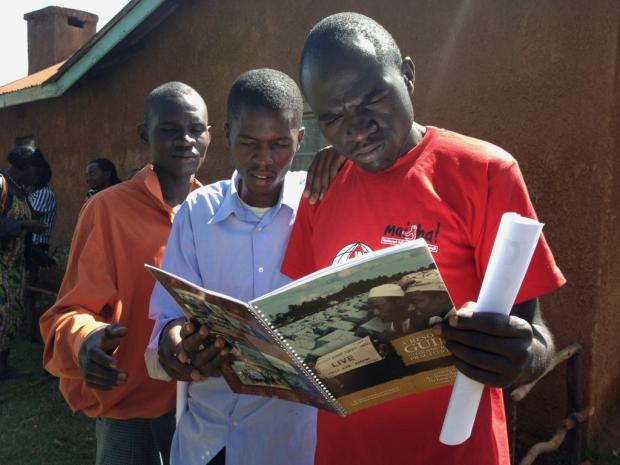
513, 248
181, 399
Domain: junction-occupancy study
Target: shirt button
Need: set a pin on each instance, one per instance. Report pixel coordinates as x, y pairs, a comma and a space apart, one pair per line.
260, 269
260, 228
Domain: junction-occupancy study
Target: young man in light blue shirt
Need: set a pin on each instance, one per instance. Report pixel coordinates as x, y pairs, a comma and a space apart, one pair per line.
230, 237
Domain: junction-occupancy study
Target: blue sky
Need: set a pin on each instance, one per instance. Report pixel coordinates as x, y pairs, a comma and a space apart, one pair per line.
13, 35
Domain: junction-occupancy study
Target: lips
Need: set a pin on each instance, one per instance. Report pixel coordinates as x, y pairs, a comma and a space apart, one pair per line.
184, 154
369, 151
262, 176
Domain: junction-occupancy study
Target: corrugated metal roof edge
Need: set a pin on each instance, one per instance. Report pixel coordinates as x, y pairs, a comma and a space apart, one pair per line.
96, 48
34, 79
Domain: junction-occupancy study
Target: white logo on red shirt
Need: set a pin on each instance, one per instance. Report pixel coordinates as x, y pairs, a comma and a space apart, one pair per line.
351, 252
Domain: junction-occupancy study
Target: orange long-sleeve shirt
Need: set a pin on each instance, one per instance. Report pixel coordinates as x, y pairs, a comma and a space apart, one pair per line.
118, 231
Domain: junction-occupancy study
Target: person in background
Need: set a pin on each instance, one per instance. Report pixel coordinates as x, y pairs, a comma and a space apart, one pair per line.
100, 174
15, 223
42, 201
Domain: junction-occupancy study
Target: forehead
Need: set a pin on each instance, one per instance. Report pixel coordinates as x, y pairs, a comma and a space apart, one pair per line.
340, 76
261, 122
177, 108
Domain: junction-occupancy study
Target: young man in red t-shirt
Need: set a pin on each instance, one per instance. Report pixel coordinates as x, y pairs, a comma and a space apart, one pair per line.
403, 181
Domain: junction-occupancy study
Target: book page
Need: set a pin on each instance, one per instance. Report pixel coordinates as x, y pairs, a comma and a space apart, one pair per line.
258, 365
364, 329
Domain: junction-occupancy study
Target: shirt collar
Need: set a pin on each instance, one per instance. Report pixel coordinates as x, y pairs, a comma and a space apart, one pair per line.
289, 197
148, 178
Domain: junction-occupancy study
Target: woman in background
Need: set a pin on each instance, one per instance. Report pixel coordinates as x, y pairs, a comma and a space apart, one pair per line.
100, 174
15, 223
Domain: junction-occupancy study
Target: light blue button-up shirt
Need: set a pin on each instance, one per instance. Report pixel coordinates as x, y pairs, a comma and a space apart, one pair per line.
222, 245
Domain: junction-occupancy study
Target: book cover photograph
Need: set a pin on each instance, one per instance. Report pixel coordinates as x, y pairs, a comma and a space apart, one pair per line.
259, 365
344, 338
364, 329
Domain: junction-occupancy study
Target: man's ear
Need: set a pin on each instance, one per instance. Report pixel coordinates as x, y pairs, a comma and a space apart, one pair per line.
143, 133
407, 69
227, 135
300, 137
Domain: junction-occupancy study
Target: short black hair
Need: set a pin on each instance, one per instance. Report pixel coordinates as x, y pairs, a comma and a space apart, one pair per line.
45, 175
107, 166
265, 88
344, 30
37, 159
169, 90
20, 157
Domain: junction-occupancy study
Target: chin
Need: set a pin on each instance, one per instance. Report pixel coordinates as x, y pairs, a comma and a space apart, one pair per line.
375, 167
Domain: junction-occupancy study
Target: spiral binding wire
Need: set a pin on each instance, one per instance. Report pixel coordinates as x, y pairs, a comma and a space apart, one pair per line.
313, 378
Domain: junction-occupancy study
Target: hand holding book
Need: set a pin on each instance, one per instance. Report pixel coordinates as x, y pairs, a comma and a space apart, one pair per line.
489, 347
189, 352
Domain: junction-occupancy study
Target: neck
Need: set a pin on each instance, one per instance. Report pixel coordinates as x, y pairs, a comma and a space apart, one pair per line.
174, 190
264, 201
413, 138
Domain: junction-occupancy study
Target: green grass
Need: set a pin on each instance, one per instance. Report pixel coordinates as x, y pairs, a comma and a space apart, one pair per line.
36, 425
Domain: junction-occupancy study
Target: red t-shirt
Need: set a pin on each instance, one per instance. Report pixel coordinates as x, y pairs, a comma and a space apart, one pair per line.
452, 190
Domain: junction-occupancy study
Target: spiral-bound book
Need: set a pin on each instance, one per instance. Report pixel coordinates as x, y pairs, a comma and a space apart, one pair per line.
344, 338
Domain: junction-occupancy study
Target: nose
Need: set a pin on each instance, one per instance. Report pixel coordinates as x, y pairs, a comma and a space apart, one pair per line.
185, 139
263, 156
359, 128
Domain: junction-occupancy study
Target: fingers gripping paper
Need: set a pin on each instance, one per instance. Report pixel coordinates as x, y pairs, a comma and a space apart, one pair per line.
514, 246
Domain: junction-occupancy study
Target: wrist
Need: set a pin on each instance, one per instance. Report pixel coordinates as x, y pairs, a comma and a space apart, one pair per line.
168, 326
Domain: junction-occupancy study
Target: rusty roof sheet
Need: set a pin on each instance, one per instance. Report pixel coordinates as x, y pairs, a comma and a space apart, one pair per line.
32, 80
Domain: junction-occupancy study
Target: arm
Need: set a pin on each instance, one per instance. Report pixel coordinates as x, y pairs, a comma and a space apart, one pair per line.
499, 350
324, 168
78, 340
10, 227
42, 202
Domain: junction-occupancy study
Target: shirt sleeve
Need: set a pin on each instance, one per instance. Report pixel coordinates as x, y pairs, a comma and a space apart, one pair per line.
42, 201
87, 299
180, 259
507, 193
299, 258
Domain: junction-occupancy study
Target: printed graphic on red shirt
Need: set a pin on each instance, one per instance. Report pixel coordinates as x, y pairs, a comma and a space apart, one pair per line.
350, 252
397, 234
392, 235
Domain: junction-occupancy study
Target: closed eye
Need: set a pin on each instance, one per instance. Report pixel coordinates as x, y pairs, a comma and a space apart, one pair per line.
375, 101
199, 129
329, 118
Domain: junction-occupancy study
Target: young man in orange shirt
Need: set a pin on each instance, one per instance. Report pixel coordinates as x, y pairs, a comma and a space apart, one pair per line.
96, 332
